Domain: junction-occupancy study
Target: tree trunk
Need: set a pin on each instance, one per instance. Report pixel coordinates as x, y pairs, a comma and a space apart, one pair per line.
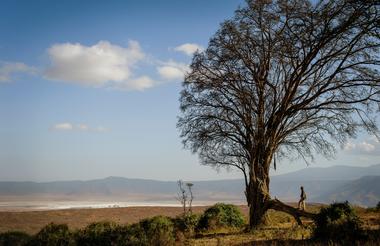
257, 197
259, 200
257, 211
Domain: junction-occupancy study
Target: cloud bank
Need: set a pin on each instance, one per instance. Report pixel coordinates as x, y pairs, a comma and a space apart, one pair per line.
105, 65
369, 146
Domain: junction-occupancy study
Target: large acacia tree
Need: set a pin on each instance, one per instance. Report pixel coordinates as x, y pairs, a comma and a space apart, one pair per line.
285, 78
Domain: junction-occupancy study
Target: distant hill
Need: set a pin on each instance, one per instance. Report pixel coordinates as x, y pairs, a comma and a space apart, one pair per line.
329, 173
360, 185
327, 184
125, 189
364, 191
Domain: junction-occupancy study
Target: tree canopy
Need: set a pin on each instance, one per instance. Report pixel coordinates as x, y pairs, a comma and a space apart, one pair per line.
282, 78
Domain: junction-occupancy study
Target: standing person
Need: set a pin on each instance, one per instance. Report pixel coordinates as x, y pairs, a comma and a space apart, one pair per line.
301, 203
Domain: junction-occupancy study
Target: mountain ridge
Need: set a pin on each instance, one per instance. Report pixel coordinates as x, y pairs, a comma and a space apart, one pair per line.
363, 191
375, 167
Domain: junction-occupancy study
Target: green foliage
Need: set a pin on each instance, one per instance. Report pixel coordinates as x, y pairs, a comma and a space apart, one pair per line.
103, 233
338, 222
221, 215
53, 234
154, 231
158, 230
14, 238
378, 206
186, 224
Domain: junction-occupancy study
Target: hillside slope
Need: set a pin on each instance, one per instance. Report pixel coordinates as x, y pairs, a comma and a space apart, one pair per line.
364, 191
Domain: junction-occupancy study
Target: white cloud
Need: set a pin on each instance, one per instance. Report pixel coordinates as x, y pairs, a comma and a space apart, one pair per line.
189, 48
63, 127
140, 83
349, 146
67, 126
173, 70
8, 69
169, 72
365, 147
82, 127
100, 129
369, 146
100, 65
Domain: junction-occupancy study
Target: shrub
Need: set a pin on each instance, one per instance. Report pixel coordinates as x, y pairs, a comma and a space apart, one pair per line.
14, 238
103, 233
338, 222
221, 215
186, 224
53, 234
134, 235
378, 206
158, 230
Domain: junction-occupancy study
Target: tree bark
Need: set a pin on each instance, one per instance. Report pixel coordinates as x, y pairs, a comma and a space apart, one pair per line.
257, 198
257, 208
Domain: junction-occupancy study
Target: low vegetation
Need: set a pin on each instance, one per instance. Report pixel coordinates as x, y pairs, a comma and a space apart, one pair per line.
338, 222
158, 230
53, 234
186, 226
221, 224
221, 216
15, 238
100, 233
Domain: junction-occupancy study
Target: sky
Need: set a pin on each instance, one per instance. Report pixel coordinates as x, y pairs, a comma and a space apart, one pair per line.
90, 89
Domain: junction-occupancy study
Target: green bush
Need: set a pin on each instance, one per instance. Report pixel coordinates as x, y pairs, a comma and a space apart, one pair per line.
103, 233
186, 224
158, 230
338, 222
221, 215
378, 206
14, 238
53, 234
134, 235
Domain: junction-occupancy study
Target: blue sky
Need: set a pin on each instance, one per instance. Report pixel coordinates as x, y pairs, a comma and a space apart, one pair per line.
89, 89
